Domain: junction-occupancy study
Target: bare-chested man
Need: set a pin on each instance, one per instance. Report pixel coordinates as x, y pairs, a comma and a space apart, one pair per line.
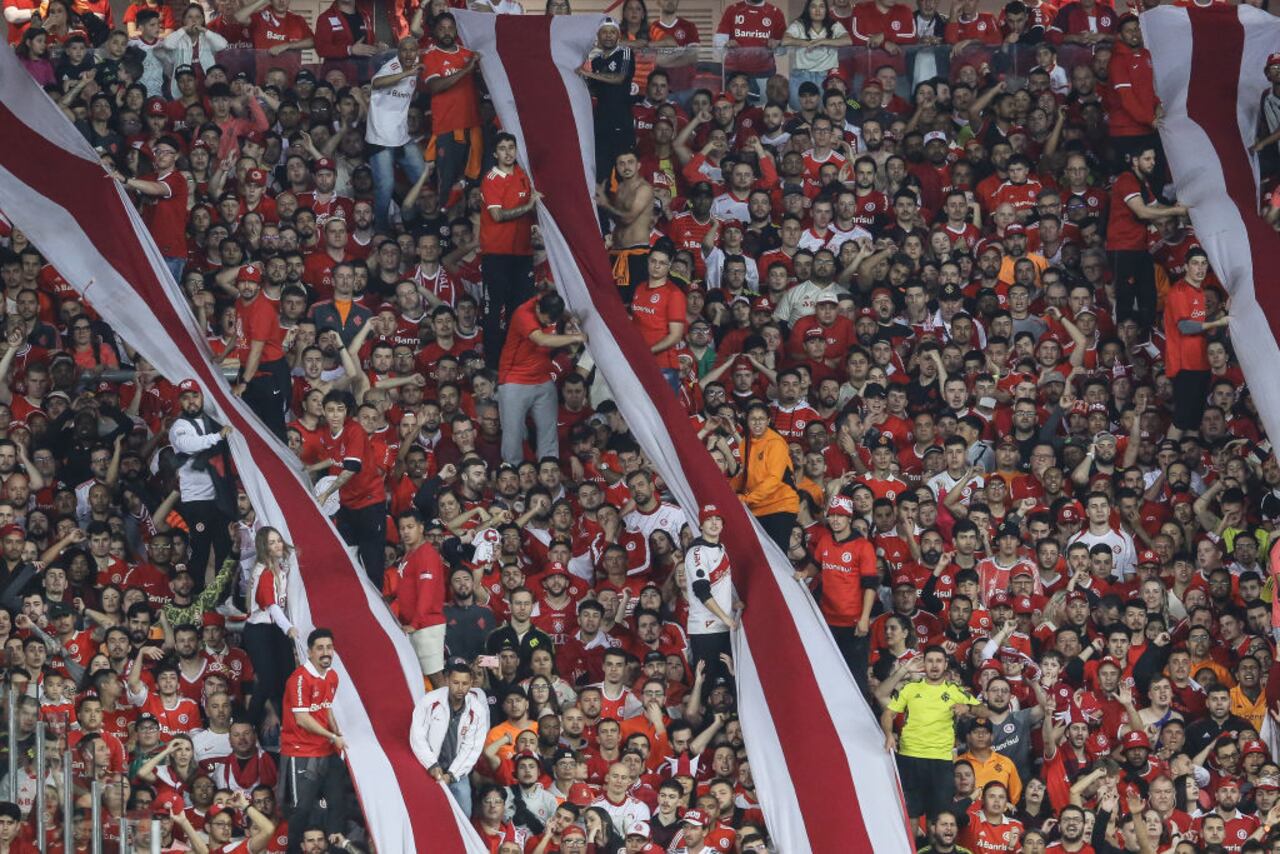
631, 208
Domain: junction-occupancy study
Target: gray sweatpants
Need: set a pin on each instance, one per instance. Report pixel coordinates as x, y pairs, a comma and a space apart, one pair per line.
515, 403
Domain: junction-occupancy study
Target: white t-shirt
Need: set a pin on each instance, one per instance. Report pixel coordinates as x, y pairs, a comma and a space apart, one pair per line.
705, 562
1124, 555
389, 109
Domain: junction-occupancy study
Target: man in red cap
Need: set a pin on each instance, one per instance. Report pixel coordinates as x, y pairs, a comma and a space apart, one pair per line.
264, 373
709, 587
208, 498
846, 561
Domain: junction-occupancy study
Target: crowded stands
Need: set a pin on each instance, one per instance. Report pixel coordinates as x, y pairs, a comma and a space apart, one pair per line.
919, 278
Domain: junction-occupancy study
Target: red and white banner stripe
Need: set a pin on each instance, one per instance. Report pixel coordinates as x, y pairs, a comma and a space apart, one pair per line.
805, 723
53, 188
1210, 75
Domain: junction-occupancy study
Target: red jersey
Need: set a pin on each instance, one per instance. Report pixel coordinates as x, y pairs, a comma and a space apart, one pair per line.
182, 716
258, 320
751, 25
420, 596
308, 691
983, 28
268, 30
505, 190
458, 107
166, 216
523, 362
653, 310
1125, 232
1184, 352
897, 24
355, 452
848, 566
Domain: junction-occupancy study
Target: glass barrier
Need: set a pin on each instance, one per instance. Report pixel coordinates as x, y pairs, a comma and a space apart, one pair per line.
708, 67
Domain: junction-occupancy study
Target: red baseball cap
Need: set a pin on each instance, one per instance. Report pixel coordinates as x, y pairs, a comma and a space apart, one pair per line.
696, 817
212, 618
1072, 512
187, 386
557, 568
580, 794
1014, 228
1148, 556
998, 598
250, 273
11, 530
903, 579
155, 107
708, 511
1273, 59
256, 177
1253, 745
813, 333
322, 164
1023, 605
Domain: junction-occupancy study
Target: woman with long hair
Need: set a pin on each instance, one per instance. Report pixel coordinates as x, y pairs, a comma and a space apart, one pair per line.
268, 633
816, 36
173, 769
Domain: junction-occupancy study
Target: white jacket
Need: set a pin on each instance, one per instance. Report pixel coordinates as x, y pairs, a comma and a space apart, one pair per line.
431, 722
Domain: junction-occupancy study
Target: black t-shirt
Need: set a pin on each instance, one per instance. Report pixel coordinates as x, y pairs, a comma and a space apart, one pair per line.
613, 100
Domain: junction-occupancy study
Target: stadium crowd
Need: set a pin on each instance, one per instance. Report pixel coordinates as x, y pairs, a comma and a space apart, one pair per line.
927, 295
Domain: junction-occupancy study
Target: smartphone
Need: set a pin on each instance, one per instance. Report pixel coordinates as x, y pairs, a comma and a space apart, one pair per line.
487, 661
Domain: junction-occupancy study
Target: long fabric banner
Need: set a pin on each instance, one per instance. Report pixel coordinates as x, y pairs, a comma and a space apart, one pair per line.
53, 188
805, 723
1210, 76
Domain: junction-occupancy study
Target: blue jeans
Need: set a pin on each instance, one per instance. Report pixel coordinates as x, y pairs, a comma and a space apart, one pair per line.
461, 791
383, 165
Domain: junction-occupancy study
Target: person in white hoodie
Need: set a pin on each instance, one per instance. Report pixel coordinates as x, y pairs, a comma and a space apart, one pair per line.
448, 731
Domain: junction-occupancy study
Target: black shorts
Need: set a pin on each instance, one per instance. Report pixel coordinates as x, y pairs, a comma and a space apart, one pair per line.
928, 785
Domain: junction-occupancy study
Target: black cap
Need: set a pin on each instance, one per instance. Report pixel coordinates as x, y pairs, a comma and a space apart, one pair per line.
8, 809
517, 690
702, 188
184, 69
563, 753
980, 723
59, 609
874, 390
219, 90
808, 87
304, 74
457, 664
653, 655
1009, 531
951, 291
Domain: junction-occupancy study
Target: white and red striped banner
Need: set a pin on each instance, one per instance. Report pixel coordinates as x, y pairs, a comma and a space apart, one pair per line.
1210, 75
53, 188
805, 723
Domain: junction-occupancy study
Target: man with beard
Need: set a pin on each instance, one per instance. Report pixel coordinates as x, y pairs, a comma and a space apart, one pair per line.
196, 438
193, 666
246, 767
1012, 730
263, 371
468, 620
448, 730
631, 208
943, 831
311, 746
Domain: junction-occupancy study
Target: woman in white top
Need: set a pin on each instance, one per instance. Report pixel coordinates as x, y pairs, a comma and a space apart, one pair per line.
816, 38
191, 43
268, 634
